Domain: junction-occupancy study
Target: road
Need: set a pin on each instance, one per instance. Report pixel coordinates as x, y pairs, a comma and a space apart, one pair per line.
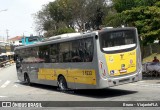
13, 90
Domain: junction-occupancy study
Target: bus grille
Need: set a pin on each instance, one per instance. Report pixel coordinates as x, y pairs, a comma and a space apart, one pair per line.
124, 80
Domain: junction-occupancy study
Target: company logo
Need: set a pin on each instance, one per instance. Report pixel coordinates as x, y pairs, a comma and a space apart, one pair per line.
132, 64
123, 70
112, 72
122, 55
6, 104
21, 104
111, 59
123, 66
131, 61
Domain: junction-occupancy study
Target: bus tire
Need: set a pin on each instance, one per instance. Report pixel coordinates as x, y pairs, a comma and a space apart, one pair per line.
27, 80
62, 84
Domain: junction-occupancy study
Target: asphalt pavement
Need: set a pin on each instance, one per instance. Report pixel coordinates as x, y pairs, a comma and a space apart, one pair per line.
11, 89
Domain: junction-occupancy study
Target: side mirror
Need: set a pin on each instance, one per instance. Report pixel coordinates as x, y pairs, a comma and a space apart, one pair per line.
21, 59
96, 37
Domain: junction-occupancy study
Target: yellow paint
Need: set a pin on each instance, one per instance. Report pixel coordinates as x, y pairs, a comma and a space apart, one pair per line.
116, 61
82, 76
47, 74
71, 75
41, 76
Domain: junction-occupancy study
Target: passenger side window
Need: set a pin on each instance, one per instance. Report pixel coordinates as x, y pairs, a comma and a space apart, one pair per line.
76, 51
82, 50
44, 52
64, 54
54, 56
88, 50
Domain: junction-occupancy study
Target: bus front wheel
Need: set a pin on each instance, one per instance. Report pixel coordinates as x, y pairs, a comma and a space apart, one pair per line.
62, 84
27, 79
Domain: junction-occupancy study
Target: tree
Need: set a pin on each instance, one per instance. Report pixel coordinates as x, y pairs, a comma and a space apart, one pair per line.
144, 16
69, 13
122, 5
146, 19
42, 19
59, 31
97, 12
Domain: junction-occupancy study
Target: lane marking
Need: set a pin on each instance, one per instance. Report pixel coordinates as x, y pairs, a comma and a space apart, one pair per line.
5, 84
141, 81
15, 85
133, 84
146, 85
2, 96
18, 81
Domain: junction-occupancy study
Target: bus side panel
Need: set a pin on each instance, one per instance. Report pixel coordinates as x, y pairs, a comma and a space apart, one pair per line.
139, 61
20, 75
102, 76
88, 75
80, 75
76, 78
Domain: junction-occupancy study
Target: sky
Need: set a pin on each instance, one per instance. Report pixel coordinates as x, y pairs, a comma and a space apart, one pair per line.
18, 18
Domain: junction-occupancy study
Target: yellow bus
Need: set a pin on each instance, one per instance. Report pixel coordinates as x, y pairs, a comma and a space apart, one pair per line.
95, 60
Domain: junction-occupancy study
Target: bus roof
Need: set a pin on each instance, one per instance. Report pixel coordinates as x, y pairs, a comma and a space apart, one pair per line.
59, 38
72, 36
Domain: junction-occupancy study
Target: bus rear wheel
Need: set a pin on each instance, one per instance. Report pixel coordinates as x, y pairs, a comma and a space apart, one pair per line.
27, 80
62, 84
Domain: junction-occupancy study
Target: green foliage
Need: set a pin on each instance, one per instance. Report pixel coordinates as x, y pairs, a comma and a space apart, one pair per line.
60, 10
96, 13
83, 13
64, 30
49, 33
157, 4
121, 5
114, 20
146, 19
59, 31
143, 15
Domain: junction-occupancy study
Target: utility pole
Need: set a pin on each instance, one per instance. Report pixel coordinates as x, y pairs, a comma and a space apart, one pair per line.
7, 33
24, 39
3, 10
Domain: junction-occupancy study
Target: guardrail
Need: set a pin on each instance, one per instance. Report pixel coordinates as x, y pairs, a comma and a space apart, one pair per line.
5, 63
151, 69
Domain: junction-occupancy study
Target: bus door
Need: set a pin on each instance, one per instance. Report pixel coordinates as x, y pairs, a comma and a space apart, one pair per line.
18, 61
33, 63
33, 70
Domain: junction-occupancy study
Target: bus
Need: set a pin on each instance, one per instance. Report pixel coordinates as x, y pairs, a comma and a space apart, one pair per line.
96, 60
6, 56
2, 61
6, 59
31, 40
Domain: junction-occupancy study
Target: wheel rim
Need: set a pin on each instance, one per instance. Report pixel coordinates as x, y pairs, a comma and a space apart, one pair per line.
27, 80
62, 84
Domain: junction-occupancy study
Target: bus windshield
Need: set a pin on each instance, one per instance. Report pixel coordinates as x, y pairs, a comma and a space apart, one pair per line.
118, 40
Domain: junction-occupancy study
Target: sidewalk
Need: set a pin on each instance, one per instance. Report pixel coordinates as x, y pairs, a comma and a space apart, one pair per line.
152, 80
8, 65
